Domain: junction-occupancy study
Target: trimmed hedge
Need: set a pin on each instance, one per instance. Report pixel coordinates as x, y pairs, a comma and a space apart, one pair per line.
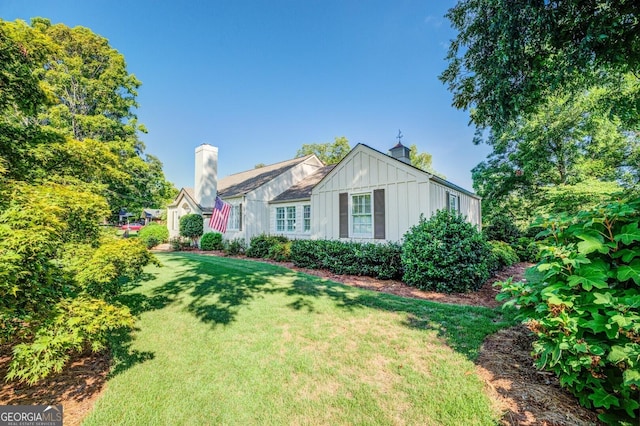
349, 258
211, 241
446, 254
260, 245
234, 247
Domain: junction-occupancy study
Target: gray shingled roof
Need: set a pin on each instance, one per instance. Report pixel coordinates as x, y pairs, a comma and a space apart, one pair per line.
302, 190
244, 182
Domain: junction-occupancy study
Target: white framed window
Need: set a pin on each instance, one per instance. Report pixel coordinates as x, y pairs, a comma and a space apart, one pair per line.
286, 219
361, 214
306, 218
280, 219
234, 218
291, 219
453, 202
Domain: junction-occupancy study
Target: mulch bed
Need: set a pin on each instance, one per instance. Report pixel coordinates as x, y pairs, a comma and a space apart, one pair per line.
526, 395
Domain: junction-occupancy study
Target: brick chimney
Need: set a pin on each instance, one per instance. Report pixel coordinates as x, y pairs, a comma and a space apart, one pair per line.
206, 183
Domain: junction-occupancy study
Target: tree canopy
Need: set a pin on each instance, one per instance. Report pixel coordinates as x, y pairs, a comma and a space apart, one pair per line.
328, 153
69, 157
510, 55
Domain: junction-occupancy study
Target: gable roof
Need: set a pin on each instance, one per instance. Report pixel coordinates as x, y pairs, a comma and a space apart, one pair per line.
431, 176
302, 190
244, 182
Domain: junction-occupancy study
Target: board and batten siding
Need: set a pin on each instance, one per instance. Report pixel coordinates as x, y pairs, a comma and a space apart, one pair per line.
256, 209
406, 194
469, 206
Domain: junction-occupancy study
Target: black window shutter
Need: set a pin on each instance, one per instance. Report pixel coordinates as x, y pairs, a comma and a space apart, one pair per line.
448, 206
240, 217
344, 214
378, 214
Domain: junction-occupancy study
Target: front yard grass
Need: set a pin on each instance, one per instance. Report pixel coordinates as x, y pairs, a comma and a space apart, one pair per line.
228, 341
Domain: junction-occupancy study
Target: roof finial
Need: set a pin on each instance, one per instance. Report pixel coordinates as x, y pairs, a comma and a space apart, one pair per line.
399, 137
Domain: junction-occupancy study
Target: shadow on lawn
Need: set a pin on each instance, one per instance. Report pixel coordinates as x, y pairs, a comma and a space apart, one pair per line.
215, 288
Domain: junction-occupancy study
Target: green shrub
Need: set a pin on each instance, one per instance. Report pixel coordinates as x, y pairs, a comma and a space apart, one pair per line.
445, 253
527, 249
179, 243
192, 227
234, 247
501, 228
211, 241
306, 253
76, 324
280, 252
261, 244
583, 303
153, 234
502, 256
353, 258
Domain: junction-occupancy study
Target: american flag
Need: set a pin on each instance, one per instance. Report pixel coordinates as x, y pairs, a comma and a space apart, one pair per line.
220, 216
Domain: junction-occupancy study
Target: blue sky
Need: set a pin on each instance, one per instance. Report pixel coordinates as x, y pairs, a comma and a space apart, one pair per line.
260, 78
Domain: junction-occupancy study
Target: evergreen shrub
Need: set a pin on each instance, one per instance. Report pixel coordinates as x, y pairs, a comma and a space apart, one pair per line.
260, 245
211, 241
502, 256
446, 254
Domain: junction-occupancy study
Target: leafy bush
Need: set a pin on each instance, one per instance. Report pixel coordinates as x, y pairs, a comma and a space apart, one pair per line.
153, 234
280, 252
307, 253
179, 243
211, 241
261, 244
76, 324
501, 228
234, 247
583, 303
192, 227
445, 253
502, 256
527, 249
353, 258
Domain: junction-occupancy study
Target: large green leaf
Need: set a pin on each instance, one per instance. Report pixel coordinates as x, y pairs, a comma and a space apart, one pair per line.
629, 234
630, 272
590, 243
601, 398
589, 276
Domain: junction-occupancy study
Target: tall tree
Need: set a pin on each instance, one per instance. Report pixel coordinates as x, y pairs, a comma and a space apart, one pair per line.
92, 97
422, 160
510, 55
569, 145
59, 270
328, 153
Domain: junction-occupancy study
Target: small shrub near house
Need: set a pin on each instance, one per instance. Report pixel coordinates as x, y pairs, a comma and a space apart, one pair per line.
179, 243
446, 254
234, 247
583, 303
192, 227
353, 258
211, 241
502, 256
153, 234
280, 252
260, 245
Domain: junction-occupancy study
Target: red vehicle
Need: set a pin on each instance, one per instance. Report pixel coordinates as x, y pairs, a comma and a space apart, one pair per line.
132, 226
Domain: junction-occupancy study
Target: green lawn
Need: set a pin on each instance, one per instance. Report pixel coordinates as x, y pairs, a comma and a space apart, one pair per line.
227, 341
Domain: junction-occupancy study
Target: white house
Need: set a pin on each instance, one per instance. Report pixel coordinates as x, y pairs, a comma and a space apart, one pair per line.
368, 196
